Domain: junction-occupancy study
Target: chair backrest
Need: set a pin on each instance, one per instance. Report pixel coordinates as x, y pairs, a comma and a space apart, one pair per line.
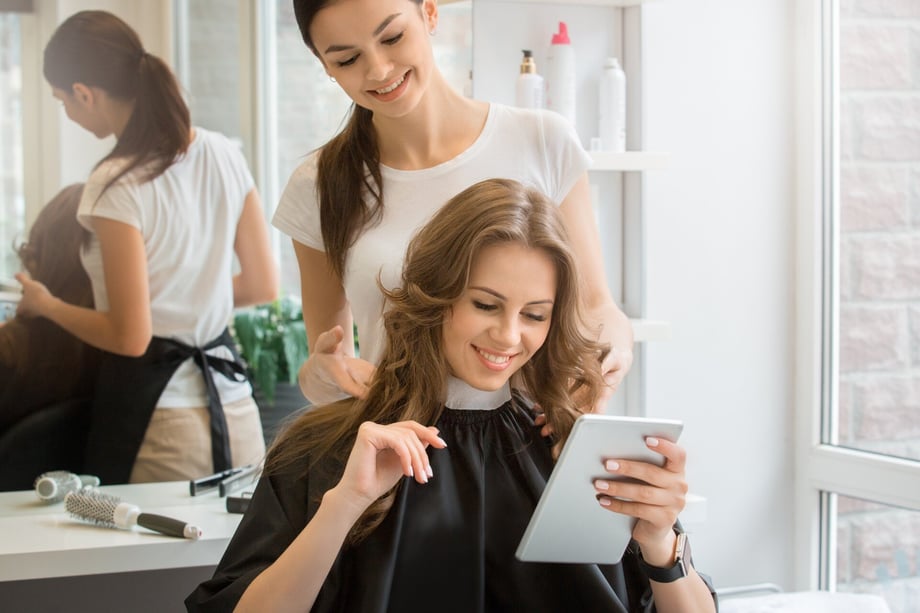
49, 438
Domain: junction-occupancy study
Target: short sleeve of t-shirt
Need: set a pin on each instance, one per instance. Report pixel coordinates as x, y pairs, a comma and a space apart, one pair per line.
565, 159
297, 214
119, 202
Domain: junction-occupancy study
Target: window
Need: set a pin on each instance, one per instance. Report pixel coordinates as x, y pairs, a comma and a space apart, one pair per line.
12, 200
859, 299
879, 229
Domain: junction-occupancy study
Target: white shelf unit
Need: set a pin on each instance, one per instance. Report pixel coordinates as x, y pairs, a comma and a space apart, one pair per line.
599, 29
608, 3
628, 161
645, 330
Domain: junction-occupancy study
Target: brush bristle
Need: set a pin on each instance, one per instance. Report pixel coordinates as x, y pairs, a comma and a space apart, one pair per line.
92, 506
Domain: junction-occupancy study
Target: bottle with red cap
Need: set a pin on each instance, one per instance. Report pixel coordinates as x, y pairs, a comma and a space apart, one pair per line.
560, 74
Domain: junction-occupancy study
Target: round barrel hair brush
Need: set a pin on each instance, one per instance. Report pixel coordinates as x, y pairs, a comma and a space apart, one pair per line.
109, 511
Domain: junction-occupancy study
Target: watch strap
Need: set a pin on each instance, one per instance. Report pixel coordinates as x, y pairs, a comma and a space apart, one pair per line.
678, 570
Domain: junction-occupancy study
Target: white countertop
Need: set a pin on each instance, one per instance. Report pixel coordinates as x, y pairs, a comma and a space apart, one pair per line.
39, 540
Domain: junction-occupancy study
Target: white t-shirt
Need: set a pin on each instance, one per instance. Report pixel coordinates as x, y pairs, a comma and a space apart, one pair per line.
537, 148
188, 218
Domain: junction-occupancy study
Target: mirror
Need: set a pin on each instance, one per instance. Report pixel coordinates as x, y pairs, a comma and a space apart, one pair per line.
245, 71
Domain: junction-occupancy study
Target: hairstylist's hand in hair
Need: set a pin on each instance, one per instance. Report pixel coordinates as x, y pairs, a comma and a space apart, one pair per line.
35, 297
615, 365
382, 455
330, 371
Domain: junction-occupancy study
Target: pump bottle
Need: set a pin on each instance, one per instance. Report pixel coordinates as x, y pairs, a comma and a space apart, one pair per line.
529, 93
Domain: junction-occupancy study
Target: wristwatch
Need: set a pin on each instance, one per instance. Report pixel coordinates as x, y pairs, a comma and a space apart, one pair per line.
678, 570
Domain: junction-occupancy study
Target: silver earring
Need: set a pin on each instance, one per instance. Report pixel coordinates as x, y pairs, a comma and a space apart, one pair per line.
331, 78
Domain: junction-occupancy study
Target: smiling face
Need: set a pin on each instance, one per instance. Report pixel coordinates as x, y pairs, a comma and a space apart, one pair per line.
377, 50
503, 316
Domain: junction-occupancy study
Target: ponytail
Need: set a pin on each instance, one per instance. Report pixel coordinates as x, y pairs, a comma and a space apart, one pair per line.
347, 173
159, 129
98, 49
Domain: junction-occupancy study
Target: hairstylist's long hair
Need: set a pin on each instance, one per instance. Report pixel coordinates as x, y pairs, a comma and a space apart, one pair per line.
348, 172
411, 379
98, 49
52, 256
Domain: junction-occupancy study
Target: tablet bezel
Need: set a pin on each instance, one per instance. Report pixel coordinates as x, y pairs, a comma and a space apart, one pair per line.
568, 524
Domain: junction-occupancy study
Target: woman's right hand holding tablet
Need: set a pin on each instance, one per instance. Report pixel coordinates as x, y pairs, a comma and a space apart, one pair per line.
330, 373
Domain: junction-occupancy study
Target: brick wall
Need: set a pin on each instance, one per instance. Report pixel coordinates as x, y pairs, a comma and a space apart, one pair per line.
879, 326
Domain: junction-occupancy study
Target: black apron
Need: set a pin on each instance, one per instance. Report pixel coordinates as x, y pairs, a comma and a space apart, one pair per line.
127, 392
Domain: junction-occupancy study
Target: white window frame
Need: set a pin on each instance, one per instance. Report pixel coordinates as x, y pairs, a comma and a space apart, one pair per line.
823, 467
41, 139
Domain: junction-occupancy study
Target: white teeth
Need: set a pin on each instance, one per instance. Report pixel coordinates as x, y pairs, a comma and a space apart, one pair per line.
387, 90
495, 359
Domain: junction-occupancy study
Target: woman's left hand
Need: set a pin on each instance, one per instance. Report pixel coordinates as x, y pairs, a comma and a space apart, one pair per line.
35, 297
655, 502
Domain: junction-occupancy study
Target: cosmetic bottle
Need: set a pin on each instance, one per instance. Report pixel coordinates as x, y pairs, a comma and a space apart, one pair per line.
560, 74
529, 84
612, 106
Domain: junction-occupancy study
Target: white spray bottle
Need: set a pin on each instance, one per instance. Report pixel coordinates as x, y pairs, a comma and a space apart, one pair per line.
612, 106
560, 74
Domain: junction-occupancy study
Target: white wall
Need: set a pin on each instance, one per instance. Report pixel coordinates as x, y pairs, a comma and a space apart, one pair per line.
720, 228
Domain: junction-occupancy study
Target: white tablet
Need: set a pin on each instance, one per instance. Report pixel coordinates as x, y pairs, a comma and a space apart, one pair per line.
569, 525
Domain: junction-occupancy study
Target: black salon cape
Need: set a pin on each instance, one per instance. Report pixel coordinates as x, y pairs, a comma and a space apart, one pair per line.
446, 546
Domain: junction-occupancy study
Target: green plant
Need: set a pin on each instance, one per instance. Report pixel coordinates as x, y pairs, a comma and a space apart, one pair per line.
273, 342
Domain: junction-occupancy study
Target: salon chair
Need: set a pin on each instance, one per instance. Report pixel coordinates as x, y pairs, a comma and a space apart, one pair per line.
49, 438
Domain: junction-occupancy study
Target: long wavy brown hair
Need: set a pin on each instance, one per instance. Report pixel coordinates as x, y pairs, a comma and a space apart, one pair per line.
349, 182
98, 49
410, 381
51, 255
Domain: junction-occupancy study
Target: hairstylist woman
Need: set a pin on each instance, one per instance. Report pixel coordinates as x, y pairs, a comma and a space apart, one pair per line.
167, 209
412, 143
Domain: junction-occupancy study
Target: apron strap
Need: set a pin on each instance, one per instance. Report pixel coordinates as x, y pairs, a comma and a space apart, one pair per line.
231, 369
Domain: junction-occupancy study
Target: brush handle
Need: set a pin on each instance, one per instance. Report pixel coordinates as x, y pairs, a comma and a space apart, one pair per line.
168, 526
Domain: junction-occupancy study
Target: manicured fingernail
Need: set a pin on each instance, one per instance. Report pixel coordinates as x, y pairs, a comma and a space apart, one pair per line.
442, 441
429, 471
651, 441
612, 465
604, 501
411, 472
601, 485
